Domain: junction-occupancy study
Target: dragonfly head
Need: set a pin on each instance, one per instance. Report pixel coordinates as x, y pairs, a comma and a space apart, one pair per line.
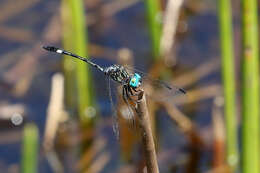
135, 80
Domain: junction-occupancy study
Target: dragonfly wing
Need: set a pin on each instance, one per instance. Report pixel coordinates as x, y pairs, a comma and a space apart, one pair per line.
163, 91
127, 109
123, 108
166, 91
114, 112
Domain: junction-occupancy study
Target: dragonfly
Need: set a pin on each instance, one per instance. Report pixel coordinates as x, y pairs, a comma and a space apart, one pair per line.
130, 81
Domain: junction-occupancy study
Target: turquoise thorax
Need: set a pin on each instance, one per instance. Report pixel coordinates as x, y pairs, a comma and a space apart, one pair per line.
135, 81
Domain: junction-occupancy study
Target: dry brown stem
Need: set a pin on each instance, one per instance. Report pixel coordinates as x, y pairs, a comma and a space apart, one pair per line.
146, 134
54, 111
169, 28
218, 133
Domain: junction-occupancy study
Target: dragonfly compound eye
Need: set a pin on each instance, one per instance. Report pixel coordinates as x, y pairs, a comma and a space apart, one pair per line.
135, 81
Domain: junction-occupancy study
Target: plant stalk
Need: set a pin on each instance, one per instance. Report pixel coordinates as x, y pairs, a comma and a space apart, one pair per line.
75, 39
250, 88
146, 134
30, 149
228, 79
153, 10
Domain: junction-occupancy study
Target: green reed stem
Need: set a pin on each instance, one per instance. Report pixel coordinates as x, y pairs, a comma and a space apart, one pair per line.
228, 78
75, 40
153, 10
250, 84
29, 162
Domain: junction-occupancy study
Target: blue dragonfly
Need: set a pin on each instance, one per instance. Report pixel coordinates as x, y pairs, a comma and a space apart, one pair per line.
130, 82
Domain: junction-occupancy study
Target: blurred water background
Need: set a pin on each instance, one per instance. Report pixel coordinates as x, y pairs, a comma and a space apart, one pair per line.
116, 30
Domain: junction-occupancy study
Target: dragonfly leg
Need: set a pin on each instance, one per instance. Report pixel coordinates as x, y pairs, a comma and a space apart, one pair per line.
125, 98
137, 90
124, 94
127, 95
131, 92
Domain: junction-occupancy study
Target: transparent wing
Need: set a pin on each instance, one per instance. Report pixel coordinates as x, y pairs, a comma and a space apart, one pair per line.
164, 91
125, 108
114, 112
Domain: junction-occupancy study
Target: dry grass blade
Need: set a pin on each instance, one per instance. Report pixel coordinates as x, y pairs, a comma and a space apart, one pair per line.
198, 73
91, 152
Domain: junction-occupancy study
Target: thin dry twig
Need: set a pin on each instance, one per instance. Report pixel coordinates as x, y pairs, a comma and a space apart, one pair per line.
91, 152
10, 137
185, 124
114, 7
191, 131
198, 94
176, 115
23, 72
146, 134
198, 73
16, 34
109, 9
99, 164
13, 7
7, 59
96, 51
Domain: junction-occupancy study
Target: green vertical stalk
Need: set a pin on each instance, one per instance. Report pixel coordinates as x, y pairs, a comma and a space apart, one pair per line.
250, 84
153, 10
228, 78
30, 149
75, 39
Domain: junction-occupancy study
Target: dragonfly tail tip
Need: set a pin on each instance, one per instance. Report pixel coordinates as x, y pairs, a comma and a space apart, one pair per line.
50, 48
182, 90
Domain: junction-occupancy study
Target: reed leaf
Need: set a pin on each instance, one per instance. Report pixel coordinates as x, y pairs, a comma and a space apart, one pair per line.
250, 88
228, 78
29, 162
